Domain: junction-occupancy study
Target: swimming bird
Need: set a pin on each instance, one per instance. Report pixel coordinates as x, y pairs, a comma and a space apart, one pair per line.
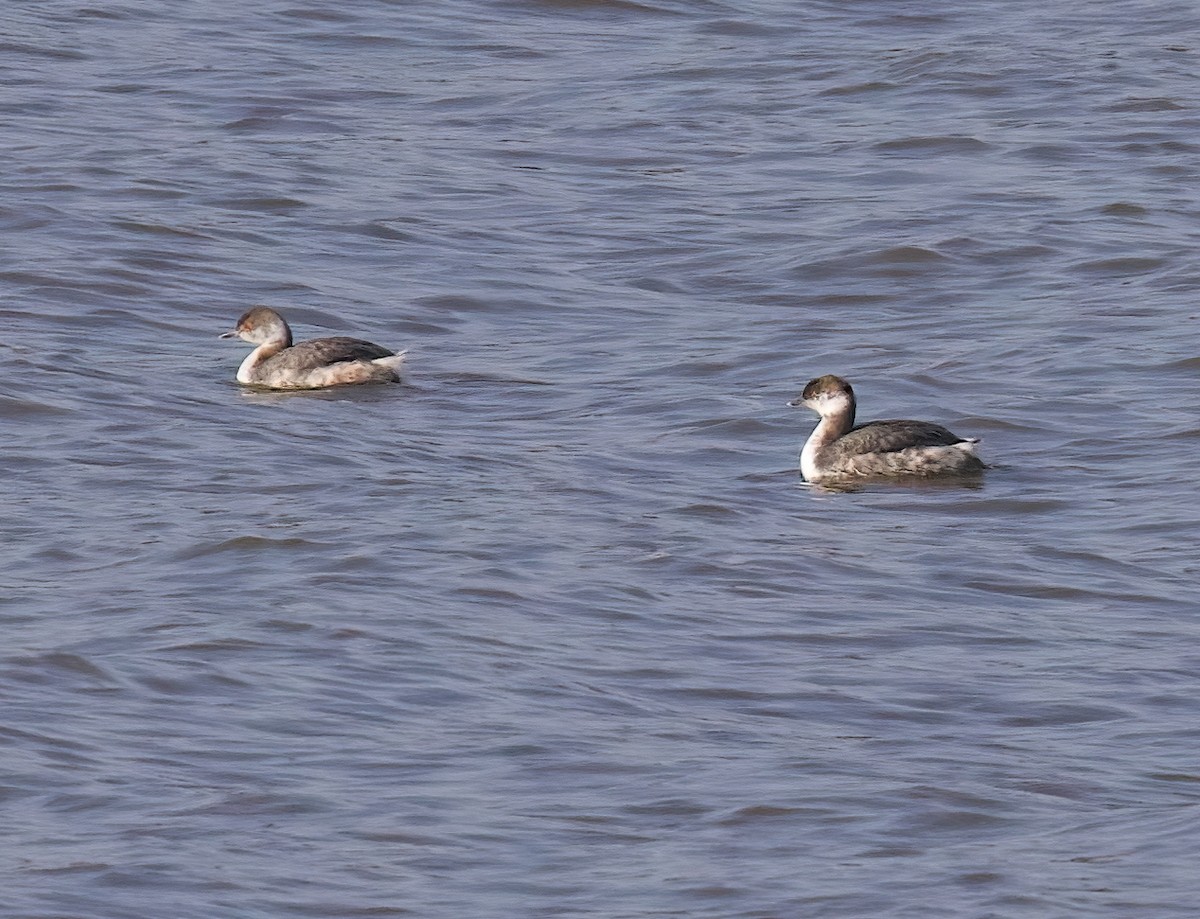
278, 364
837, 449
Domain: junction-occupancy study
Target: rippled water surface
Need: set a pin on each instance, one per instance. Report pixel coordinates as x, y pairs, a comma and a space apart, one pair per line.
555, 628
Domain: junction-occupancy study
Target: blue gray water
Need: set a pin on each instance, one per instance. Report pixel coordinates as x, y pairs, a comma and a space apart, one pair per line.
555, 628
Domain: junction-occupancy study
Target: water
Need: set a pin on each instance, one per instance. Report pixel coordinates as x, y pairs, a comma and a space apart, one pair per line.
555, 628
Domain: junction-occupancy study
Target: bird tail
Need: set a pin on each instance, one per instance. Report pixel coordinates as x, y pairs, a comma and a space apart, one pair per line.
392, 361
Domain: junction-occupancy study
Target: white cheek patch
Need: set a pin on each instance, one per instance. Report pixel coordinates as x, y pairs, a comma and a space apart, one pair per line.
828, 402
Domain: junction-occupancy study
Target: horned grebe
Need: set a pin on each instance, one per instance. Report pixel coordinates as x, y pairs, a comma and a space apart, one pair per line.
278, 364
838, 450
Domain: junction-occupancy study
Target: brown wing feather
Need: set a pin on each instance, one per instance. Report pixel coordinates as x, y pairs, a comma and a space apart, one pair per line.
890, 436
320, 352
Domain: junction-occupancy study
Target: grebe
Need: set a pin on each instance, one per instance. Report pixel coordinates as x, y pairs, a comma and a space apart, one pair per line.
838, 450
278, 364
